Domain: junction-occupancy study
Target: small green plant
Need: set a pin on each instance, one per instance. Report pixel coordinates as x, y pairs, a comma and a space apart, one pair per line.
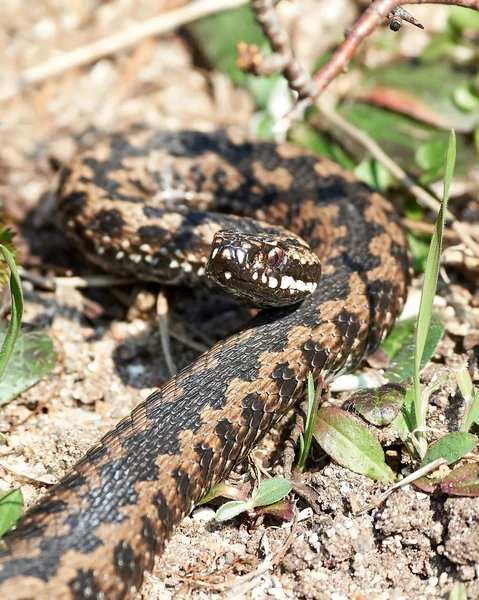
11, 502
402, 402
16, 310
471, 397
11, 507
25, 356
314, 398
268, 499
458, 592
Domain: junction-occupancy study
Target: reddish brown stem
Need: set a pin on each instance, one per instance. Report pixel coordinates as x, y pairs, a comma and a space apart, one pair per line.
309, 88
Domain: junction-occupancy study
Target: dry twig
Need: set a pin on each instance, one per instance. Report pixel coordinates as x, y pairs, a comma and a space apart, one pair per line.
162, 314
406, 481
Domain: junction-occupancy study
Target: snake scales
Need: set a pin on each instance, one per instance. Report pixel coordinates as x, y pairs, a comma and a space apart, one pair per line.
96, 532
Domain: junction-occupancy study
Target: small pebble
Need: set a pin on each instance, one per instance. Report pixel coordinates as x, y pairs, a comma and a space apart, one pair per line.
203, 513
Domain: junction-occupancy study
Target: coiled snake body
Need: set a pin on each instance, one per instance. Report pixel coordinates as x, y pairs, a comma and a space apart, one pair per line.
96, 532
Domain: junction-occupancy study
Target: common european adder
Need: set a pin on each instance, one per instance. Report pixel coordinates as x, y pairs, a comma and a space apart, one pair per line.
136, 204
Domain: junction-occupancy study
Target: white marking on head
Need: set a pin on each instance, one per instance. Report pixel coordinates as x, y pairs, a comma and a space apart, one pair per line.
264, 279
273, 282
240, 256
255, 276
228, 275
119, 255
214, 253
285, 282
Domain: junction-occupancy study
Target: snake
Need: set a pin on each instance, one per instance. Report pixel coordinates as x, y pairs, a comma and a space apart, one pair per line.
150, 203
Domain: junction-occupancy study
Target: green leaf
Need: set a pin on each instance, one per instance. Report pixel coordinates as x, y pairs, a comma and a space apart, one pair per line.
16, 311
430, 157
405, 423
314, 398
427, 484
470, 396
33, 357
400, 344
419, 246
466, 98
232, 509
11, 508
218, 34
271, 491
223, 490
463, 18
381, 405
282, 510
374, 174
420, 100
458, 592
6, 240
401, 334
463, 481
351, 444
309, 138
451, 447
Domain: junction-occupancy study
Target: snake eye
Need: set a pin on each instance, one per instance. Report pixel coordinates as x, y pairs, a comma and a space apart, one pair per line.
275, 256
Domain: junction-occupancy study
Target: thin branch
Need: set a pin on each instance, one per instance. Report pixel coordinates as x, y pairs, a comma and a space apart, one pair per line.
282, 59
116, 42
399, 15
368, 22
310, 88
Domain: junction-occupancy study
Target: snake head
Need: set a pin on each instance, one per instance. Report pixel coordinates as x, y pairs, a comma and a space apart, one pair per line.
263, 270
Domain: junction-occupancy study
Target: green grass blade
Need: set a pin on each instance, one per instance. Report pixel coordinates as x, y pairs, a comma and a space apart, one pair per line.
314, 398
473, 413
470, 396
430, 281
16, 311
